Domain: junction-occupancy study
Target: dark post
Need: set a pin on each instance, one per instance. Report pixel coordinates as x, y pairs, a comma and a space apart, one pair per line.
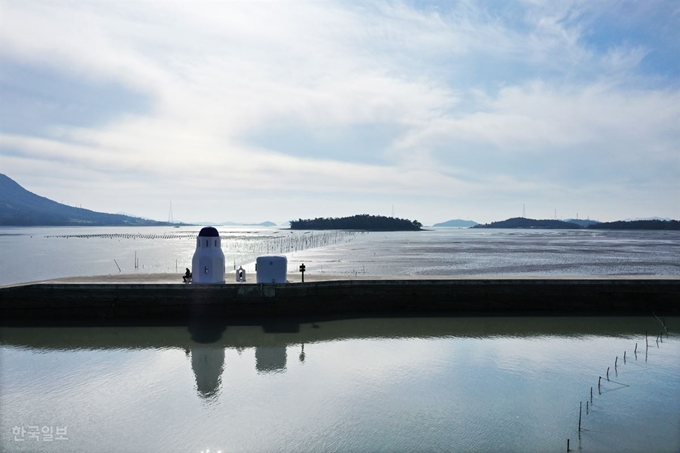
580, 408
302, 270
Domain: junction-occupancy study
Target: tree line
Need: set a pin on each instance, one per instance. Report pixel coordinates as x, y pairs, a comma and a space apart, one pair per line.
362, 222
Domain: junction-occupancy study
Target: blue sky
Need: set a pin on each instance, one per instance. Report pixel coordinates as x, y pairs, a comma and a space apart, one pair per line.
253, 111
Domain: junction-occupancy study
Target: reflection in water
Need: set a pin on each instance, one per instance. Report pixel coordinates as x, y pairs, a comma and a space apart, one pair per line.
207, 361
270, 359
411, 384
208, 364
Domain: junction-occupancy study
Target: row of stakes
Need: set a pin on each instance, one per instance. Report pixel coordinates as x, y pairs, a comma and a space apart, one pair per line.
239, 244
270, 244
659, 338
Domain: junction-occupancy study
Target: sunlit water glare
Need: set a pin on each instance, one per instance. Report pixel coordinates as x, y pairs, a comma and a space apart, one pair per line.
31, 254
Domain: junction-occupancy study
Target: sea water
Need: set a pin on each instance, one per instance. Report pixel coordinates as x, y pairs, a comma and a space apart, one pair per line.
392, 385
414, 384
32, 254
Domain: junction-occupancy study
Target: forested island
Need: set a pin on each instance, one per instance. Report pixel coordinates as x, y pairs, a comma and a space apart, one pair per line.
522, 222
363, 222
637, 225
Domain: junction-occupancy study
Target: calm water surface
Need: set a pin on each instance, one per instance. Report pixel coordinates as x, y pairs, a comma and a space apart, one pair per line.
30, 254
444, 384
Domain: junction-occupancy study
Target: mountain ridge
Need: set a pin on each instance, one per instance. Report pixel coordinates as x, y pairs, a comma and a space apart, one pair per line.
456, 223
20, 207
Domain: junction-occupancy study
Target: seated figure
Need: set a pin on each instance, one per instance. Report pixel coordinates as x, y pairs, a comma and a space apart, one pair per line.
187, 276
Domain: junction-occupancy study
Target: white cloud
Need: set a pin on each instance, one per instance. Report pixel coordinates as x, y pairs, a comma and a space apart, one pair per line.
514, 84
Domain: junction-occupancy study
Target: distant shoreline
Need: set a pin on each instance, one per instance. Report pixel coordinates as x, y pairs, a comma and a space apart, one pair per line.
546, 224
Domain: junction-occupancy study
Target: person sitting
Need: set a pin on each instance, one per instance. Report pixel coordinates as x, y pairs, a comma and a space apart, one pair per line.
187, 276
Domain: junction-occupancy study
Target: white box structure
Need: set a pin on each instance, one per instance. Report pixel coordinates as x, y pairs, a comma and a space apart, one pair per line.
271, 269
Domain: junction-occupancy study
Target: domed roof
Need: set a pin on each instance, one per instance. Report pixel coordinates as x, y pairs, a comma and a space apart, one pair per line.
210, 232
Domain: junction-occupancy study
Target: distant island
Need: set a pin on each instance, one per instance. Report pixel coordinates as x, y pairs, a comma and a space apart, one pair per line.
19, 207
637, 225
363, 222
456, 223
524, 223
261, 224
581, 222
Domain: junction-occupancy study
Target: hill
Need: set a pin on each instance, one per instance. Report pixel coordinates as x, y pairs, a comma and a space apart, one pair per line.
637, 225
362, 222
582, 223
456, 223
19, 207
521, 222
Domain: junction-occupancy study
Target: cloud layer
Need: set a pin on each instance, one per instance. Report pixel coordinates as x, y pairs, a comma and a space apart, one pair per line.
285, 109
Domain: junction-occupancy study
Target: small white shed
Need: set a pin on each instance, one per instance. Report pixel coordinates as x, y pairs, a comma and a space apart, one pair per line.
271, 269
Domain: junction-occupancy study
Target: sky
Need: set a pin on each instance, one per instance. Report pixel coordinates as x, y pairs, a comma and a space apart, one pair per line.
249, 111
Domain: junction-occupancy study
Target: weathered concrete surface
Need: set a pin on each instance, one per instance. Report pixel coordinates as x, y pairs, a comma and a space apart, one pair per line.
163, 301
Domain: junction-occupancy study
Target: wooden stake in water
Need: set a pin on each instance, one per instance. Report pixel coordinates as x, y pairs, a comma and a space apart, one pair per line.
580, 409
587, 408
624, 357
599, 381
591, 395
568, 445
607, 373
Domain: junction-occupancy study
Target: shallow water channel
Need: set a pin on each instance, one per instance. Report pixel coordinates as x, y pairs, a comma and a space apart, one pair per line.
416, 384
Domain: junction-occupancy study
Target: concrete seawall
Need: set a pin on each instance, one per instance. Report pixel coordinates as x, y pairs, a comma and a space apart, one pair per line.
563, 296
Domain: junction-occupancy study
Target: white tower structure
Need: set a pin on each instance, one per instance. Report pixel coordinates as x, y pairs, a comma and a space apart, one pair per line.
208, 262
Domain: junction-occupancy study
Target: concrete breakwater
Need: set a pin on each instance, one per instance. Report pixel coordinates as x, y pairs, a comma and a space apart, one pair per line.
537, 296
